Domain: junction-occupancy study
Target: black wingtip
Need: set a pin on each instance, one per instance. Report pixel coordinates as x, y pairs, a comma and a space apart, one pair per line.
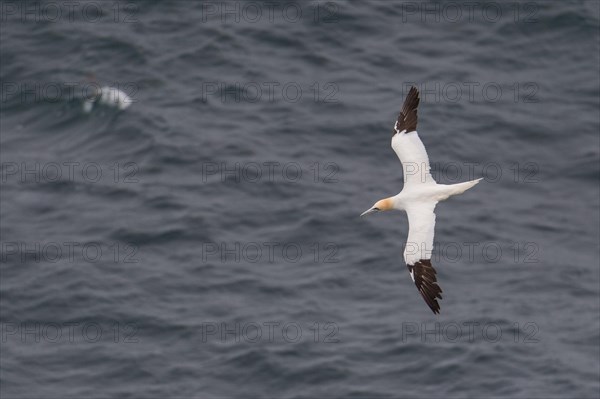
426, 281
407, 119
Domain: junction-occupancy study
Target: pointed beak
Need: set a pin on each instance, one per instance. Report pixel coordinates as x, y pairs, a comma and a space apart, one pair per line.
369, 211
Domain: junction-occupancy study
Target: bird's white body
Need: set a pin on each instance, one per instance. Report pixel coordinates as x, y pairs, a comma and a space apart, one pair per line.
418, 199
420, 195
109, 96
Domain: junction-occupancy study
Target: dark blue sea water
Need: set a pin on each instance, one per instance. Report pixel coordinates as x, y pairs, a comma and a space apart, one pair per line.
205, 242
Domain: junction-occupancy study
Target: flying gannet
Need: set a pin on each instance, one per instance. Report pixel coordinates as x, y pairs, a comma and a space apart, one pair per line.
418, 198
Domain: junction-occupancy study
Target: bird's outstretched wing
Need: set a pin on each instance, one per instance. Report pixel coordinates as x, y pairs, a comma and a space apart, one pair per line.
417, 253
407, 120
424, 276
407, 144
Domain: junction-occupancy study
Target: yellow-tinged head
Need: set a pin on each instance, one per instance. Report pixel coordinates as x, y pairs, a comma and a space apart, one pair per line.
386, 204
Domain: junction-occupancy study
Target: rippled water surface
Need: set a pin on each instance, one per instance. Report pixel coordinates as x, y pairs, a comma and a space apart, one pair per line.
205, 242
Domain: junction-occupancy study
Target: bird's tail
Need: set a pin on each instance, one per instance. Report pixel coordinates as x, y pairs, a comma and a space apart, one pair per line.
459, 188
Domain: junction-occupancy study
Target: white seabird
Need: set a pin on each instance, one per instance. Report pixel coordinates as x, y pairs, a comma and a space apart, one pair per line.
110, 96
418, 198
